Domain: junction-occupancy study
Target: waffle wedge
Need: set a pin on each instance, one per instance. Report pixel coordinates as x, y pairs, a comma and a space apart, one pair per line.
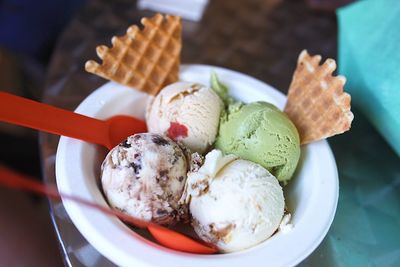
316, 102
146, 59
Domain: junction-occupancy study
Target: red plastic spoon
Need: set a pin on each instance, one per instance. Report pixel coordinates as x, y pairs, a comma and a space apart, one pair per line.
43, 117
25, 112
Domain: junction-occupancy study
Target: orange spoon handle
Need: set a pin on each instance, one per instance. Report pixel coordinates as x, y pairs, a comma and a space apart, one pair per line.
43, 117
11, 179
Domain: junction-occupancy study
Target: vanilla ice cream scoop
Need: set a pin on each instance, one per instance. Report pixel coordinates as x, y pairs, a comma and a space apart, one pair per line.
144, 176
234, 203
186, 112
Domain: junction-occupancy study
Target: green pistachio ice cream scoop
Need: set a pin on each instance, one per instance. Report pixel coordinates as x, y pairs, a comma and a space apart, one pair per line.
261, 133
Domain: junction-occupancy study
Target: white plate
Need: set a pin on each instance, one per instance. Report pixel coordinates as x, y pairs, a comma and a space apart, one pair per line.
311, 195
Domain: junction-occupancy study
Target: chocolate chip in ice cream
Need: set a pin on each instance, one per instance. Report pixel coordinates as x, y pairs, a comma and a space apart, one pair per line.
159, 140
161, 212
164, 173
136, 167
125, 144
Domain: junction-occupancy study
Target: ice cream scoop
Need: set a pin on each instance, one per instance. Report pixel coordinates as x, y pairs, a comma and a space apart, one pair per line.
261, 133
187, 112
144, 176
234, 203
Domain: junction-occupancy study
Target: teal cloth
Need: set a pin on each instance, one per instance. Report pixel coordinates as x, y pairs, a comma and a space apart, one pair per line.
365, 231
369, 57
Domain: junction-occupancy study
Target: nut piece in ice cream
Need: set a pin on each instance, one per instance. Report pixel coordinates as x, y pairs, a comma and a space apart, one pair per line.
235, 204
186, 112
144, 176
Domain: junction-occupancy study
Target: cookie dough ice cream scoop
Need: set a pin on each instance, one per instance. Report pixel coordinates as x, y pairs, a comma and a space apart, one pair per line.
187, 112
235, 204
144, 176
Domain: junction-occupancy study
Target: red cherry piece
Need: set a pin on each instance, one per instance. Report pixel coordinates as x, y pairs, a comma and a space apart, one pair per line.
177, 130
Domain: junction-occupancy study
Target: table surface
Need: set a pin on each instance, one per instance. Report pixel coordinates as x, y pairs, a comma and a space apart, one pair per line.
262, 39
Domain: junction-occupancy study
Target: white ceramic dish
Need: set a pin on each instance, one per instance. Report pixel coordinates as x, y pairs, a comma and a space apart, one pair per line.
311, 195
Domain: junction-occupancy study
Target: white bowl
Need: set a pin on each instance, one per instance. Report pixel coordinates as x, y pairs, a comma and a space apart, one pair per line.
311, 195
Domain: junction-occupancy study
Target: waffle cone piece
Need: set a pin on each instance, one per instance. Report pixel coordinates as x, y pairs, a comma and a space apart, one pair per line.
316, 102
146, 59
